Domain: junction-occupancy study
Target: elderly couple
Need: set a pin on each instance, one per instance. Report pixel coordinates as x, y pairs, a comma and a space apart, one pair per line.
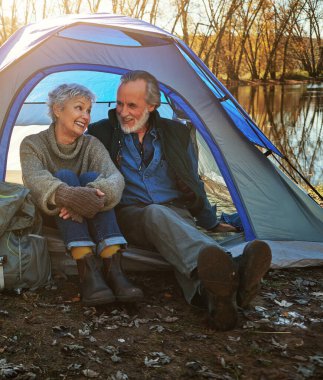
75, 178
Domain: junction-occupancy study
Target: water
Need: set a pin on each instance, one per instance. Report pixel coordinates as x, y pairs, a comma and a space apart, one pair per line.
291, 116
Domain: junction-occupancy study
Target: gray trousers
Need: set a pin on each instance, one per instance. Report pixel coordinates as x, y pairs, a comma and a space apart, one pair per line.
172, 232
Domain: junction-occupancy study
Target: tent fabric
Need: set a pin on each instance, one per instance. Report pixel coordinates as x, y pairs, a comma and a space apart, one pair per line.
233, 109
30, 36
270, 205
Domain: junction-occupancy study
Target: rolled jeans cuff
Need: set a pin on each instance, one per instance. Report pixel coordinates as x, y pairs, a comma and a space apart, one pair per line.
83, 243
114, 240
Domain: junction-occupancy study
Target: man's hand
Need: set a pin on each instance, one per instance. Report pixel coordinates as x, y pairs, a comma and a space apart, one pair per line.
224, 227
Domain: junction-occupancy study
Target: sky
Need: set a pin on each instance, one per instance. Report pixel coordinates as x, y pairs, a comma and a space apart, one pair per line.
105, 6
165, 16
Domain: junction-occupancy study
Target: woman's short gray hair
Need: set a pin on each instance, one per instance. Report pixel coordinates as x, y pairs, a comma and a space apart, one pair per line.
153, 93
65, 92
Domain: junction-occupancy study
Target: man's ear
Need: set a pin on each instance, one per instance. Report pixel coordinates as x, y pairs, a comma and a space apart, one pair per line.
151, 107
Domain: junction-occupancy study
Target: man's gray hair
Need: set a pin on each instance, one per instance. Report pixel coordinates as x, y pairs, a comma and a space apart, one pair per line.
65, 92
152, 93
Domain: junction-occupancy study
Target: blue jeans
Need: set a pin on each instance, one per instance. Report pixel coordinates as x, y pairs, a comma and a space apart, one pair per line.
100, 231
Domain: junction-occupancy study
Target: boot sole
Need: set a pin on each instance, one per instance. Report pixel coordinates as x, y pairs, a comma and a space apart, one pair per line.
98, 301
217, 273
256, 262
129, 299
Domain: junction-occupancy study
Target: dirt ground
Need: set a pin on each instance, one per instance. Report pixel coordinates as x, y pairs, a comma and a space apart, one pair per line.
48, 334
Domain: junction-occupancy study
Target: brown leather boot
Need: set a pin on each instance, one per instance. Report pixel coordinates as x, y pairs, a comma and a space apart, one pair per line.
252, 265
94, 290
218, 276
123, 289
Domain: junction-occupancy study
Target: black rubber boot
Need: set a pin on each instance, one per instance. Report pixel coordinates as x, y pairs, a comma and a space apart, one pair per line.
94, 290
252, 265
123, 289
216, 271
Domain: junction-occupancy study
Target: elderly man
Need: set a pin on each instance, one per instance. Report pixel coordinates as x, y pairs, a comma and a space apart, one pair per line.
164, 200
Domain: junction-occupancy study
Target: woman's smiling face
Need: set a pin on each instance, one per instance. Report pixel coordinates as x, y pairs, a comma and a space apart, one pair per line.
73, 117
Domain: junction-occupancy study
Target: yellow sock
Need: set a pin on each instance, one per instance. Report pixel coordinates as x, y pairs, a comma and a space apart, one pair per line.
109, 251
80, 252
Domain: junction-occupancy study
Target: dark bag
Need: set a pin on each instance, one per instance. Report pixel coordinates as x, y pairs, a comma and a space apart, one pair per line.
24, 258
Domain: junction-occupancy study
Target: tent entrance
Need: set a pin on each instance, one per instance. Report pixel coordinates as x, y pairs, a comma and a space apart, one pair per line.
33, 118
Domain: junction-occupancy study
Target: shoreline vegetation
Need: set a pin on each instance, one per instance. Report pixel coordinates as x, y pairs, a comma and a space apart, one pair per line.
268, 82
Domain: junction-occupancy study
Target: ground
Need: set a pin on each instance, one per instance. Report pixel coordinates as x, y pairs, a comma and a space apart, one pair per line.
48, 334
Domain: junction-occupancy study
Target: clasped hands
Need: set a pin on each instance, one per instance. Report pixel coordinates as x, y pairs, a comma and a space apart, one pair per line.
78, 202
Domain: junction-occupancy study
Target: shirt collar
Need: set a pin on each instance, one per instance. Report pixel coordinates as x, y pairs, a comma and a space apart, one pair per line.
152, 132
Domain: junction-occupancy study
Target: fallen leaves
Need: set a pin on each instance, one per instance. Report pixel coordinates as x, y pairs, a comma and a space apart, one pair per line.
156, 359
10, 370
283, 303
163, 338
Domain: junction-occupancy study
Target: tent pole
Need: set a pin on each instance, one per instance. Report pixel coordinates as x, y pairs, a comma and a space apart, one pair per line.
269, 151
303, 178
300, 174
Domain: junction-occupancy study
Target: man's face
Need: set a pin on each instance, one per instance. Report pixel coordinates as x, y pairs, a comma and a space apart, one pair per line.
132, 108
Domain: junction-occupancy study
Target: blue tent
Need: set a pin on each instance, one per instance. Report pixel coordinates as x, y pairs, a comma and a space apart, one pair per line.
96, 49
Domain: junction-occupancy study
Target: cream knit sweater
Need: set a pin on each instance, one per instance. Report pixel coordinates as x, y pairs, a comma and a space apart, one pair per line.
41, 156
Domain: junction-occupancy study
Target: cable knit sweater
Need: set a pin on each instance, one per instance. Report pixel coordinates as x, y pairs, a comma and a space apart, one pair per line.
41, 156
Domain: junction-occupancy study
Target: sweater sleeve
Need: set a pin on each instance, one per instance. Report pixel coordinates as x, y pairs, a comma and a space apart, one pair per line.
41, 183
110, 181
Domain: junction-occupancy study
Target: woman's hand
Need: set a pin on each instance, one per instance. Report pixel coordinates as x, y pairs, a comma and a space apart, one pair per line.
66, 213
99, 193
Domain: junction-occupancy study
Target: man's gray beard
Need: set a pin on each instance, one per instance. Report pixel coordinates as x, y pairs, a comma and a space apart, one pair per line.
138, 125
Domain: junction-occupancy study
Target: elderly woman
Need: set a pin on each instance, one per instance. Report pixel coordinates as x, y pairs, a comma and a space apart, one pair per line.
71, 177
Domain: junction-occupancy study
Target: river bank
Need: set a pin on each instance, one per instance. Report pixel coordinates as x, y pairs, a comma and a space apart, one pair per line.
262, 82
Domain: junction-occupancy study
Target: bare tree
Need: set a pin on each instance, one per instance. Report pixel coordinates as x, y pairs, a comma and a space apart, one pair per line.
94, 5
181, 15
133, 8
286, 53
253, 49
154, 12
11, 22
70, 6
248, 16
4, 32
118, 6
307, 38
281, 18
208, 36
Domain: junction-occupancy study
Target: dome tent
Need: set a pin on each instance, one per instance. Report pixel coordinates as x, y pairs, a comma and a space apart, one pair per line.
96, 49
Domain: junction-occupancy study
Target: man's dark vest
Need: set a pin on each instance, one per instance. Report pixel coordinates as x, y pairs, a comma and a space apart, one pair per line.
174, 138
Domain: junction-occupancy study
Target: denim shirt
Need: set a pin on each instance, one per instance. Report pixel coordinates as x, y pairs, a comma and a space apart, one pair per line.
149, 178
150, 182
